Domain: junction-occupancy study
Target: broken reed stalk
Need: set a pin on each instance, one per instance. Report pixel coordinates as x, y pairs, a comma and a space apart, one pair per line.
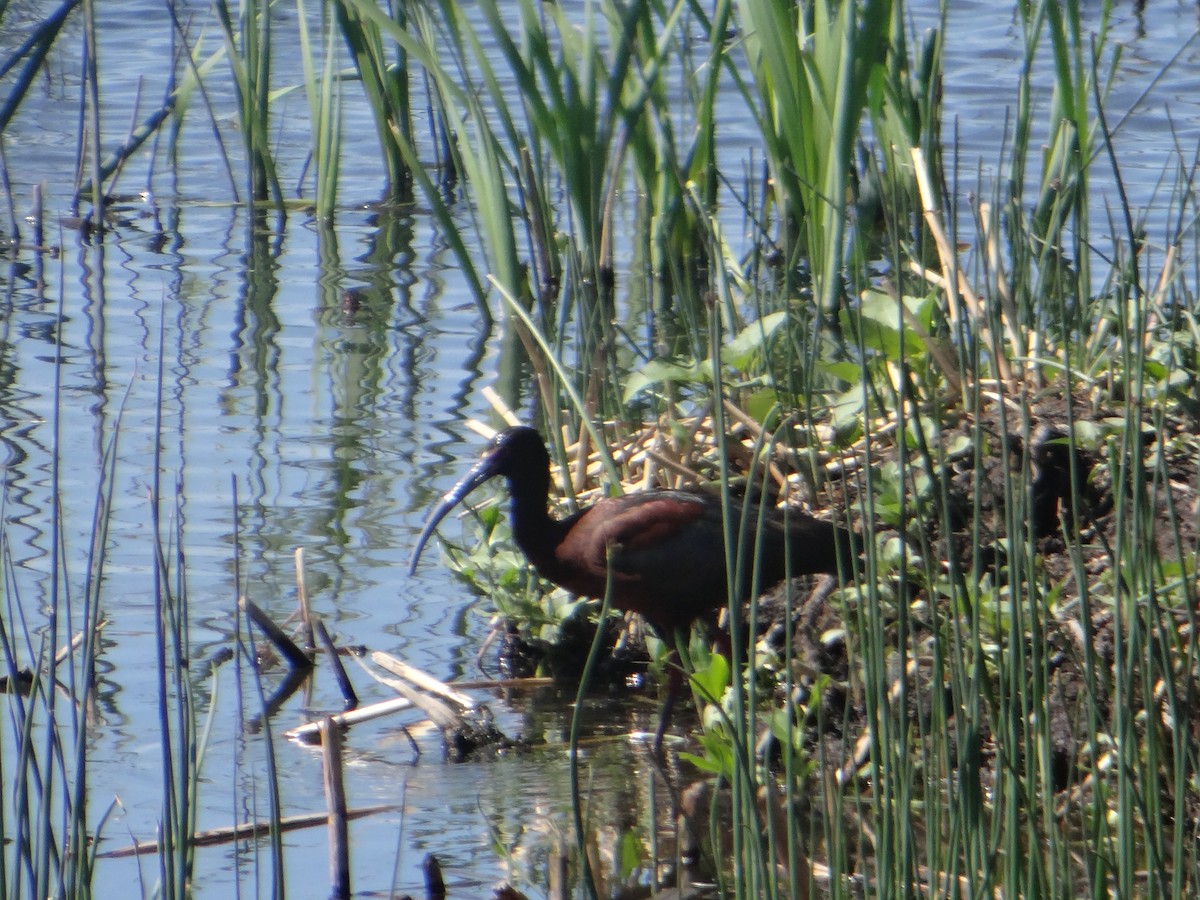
310, 733
287, 648
302, 600
349, 695
435, 885
335, 800
422, 680
227, 834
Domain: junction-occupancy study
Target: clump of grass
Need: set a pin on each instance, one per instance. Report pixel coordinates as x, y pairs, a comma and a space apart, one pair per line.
813, 67
386, 82
325, 112
248, 47
46, 842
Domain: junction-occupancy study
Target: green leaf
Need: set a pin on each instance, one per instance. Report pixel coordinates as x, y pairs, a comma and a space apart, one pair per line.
849, 372
762, 404
717, 756
751, 342
882, 326
661, 371
703, 763
1089, 435
712, 680
1155, 370
631, 854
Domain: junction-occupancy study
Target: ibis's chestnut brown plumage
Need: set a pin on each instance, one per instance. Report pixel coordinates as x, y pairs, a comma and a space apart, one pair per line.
666, 549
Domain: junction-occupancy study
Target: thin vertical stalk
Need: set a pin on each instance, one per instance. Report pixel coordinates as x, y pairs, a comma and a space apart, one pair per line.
324, 96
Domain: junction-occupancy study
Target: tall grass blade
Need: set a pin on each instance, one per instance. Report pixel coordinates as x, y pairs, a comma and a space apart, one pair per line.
248, 48
324, 109
811, 67
386, 82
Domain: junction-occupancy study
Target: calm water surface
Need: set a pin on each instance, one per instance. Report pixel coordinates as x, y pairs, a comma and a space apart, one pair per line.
337, 432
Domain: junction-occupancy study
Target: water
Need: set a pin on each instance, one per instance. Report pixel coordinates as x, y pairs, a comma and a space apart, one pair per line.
337, 432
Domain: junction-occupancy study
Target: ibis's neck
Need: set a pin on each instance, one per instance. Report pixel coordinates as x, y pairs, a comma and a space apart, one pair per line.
536, 533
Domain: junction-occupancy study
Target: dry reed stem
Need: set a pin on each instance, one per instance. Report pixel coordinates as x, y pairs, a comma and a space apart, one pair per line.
953, 281
497, 403
302, 599
442, 714
288, 648
335, 661
227, 834
335, 802
422, 680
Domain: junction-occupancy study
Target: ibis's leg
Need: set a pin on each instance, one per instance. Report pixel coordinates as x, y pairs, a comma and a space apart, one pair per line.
674, 686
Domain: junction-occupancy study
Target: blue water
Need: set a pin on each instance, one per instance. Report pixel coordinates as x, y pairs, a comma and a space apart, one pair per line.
337, 433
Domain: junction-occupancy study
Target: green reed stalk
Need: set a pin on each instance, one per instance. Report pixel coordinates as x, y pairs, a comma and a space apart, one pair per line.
385, 77
552, 359
577, 794
110, 166
38, 796
748, 876
277, 879
575, 134
177, 725
811, 68
248, 46
324, 95
8, 651
191, 82
89, 135
593, 98
1135, 665
48, 844
482, 163
80, 843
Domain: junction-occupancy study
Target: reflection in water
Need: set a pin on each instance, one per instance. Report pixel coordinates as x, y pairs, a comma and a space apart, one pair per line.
255, 367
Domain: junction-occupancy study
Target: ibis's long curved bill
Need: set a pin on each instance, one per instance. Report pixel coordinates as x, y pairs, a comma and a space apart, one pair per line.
478, 474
